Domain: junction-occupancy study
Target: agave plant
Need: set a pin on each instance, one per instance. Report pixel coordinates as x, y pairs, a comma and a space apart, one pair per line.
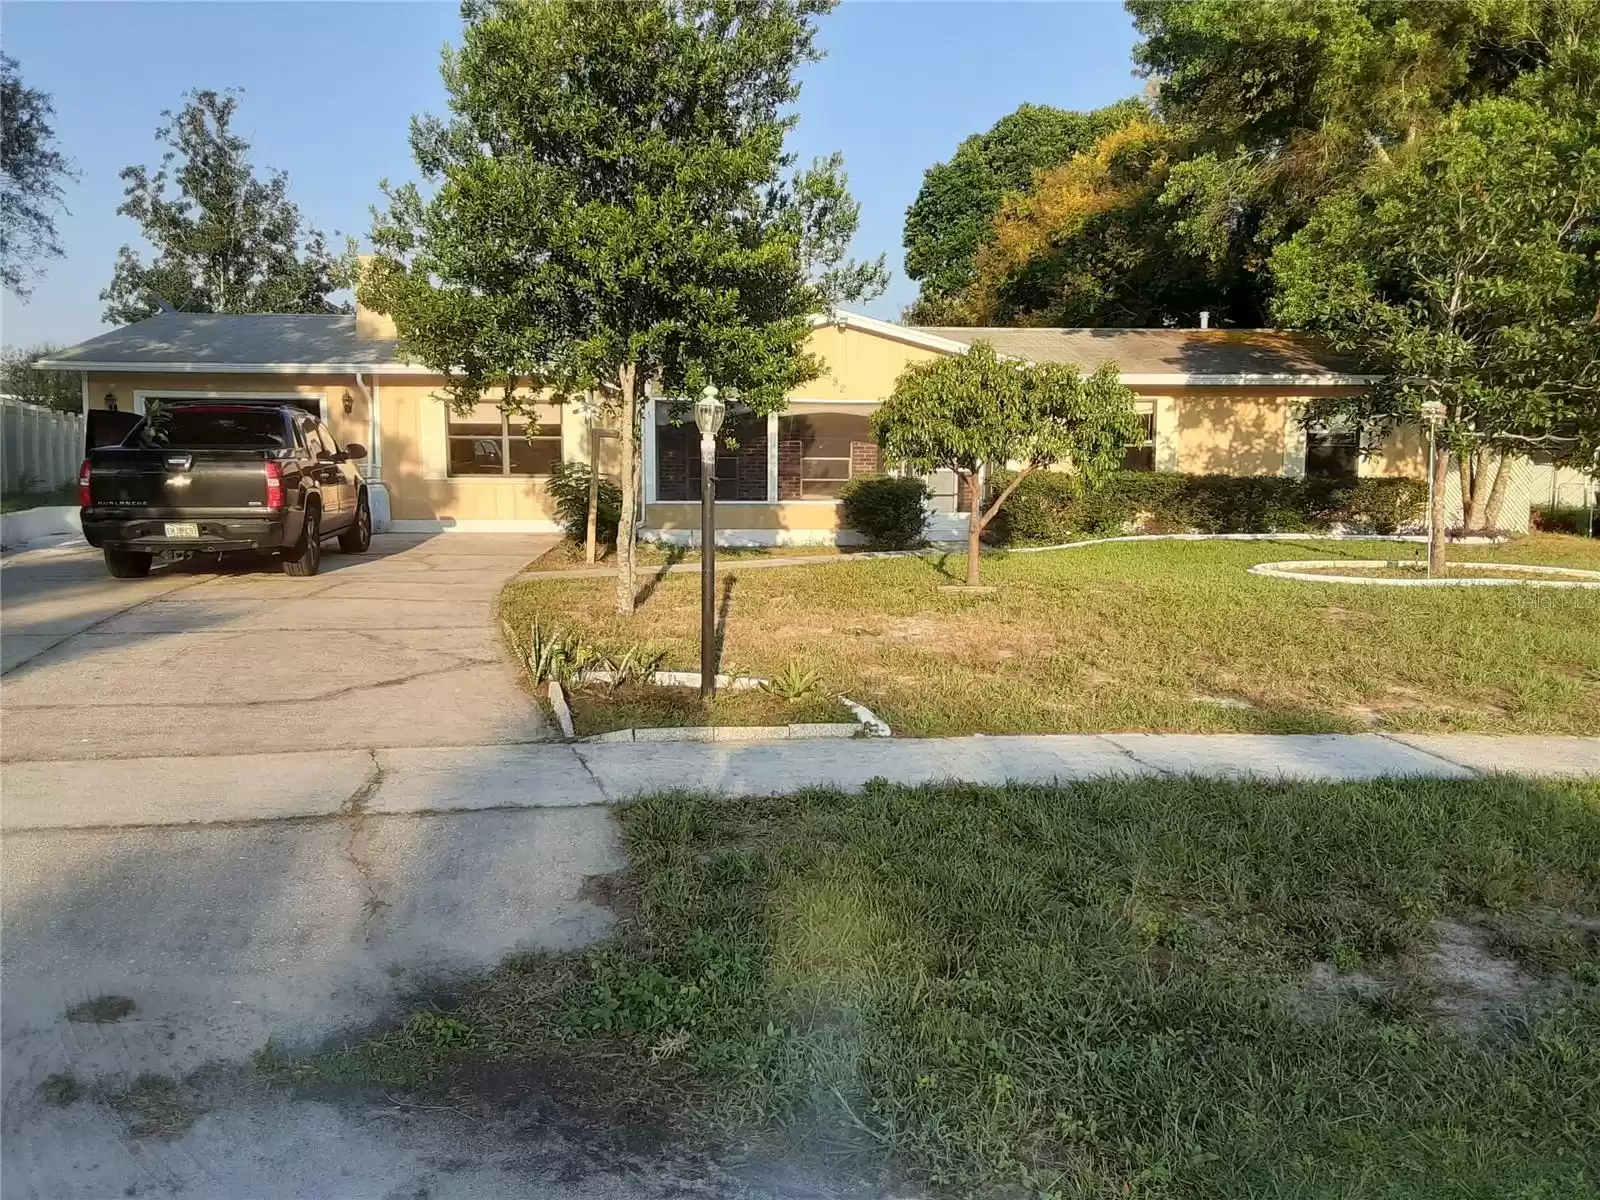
793, 683
637, 664
559, 655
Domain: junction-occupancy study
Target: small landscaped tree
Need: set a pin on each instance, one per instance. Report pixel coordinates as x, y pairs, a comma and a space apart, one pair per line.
608, 208
977, 413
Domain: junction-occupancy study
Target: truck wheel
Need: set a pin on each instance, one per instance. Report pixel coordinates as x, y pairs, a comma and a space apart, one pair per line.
127, 564
358, 537
306, 555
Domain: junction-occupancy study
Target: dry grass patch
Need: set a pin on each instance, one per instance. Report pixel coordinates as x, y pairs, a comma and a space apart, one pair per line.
1136, 636
641, 706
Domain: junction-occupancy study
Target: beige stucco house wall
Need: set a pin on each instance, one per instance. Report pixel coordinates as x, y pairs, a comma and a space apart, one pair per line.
1200, 424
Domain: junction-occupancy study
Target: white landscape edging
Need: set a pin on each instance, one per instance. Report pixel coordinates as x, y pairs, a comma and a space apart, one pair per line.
1284, 570
558, 703
1469, 540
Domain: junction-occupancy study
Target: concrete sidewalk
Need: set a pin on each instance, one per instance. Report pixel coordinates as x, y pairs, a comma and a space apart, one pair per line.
254, 787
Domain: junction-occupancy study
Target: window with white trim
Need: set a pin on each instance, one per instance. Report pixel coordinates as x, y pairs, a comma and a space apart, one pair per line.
1333, 452
1141, 455
489, 442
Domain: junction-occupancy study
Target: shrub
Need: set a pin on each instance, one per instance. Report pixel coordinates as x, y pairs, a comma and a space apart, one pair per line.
1566, 518
569, 484
888, 511
1054, 507
1371, 505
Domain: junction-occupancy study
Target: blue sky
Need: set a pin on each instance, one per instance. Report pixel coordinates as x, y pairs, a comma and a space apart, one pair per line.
330, 88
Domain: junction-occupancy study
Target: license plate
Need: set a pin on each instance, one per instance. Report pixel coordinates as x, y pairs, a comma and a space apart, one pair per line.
183, 529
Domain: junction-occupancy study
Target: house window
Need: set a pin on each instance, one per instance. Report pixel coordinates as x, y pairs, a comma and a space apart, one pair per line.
1141, 455
1333, 453
741, 459
819, 451
489, 442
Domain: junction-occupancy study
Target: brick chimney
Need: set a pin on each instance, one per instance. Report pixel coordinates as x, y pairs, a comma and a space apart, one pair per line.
369, 324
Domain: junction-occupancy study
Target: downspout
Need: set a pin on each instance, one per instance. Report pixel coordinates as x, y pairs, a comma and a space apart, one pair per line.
374, 428
377, 492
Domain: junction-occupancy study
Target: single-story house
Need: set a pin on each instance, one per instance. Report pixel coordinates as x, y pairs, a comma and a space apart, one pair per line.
1213, 400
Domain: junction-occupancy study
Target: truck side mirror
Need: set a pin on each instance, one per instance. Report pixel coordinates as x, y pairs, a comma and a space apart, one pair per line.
355, 451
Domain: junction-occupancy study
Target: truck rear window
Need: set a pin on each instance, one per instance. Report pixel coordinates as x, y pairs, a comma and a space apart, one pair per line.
212, 428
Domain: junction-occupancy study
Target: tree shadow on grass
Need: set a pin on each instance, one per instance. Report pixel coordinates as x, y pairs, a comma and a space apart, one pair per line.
675, 555
722, 619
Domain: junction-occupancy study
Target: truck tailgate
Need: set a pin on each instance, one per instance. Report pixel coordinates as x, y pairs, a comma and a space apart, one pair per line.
156, 482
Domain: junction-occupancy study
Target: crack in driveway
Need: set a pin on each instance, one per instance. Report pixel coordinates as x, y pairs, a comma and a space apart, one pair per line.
356, 849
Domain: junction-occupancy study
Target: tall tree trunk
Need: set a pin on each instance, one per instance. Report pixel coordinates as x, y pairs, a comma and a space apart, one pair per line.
1474, 490
1497, 494
1441, 476
591, 527
627, 379
974, 527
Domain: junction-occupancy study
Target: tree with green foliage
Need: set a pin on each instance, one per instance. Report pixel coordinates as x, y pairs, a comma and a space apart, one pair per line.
20, 377
225, 240
977, 413
611, 209
950, 219
32, 172
1092, 245
1466, 271
1283, 101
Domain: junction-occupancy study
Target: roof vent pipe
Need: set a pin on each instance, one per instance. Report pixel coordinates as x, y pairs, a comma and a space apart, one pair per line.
1205, 318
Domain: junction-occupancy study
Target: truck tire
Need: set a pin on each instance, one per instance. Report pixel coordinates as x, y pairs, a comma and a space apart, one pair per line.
305, 557
127, 564
358, 537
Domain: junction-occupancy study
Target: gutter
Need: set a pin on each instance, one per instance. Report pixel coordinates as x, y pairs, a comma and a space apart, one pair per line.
201, 368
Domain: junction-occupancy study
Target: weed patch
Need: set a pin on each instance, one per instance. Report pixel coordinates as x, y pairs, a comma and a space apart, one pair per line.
102, 1010
158, 1108
60, 1090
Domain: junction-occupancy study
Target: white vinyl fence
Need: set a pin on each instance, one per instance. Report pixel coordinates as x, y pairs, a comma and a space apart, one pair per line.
40, 448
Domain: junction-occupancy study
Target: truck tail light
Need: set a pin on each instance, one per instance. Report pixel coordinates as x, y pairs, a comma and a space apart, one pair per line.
83, 485
274, 485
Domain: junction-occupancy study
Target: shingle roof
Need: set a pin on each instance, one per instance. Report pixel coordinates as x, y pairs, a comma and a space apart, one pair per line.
200, 341
212, 339
1160, 351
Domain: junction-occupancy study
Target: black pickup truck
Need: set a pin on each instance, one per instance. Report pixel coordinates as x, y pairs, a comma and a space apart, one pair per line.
209, 477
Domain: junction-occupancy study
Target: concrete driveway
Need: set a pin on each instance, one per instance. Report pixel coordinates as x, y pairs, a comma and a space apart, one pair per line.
149, 731
397, 647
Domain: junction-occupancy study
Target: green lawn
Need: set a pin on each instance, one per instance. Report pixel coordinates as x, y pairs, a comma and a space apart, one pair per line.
1155, 636
1163, 988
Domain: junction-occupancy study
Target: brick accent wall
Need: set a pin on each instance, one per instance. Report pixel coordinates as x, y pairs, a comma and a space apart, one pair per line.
864, 458
790, 454
750, 479
672, 469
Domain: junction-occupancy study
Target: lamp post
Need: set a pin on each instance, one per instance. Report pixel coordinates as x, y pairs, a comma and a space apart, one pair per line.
1433, 413
708, 413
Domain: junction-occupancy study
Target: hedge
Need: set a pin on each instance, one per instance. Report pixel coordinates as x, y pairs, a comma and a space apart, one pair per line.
1051, 506
1564, 518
